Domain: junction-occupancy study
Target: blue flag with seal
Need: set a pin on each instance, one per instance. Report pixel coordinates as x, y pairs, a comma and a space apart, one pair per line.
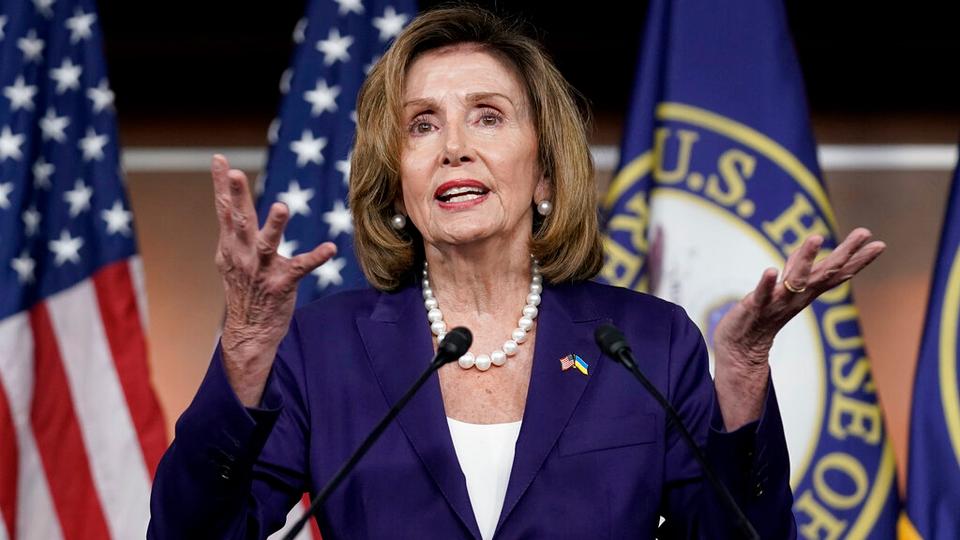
718, 180
933, 474
308, 168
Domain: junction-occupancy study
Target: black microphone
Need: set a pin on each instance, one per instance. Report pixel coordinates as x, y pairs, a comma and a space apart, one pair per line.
454, 345
613, 344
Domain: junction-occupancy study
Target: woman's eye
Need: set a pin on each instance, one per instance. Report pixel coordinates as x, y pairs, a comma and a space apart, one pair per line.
420, 126
490, 119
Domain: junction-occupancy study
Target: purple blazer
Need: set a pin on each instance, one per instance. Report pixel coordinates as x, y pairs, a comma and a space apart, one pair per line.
594, 459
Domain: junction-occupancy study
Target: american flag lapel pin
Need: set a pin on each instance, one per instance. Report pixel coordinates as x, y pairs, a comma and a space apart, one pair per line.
574, 361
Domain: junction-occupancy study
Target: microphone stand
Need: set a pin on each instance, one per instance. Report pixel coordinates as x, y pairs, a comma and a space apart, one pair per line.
448, 352
622, 353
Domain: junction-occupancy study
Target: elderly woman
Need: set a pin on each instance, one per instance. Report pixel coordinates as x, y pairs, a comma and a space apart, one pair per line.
474, 204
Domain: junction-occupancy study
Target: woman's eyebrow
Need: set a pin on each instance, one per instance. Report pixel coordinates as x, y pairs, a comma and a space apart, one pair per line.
429, 103
484, 96
472, 97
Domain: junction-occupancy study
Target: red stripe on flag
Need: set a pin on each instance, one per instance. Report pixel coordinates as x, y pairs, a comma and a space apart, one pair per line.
314, 528
9, 463
117, 299
59, 441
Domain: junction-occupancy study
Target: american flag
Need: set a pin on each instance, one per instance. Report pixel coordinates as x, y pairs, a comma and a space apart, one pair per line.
309, 163
80, 427
308, 167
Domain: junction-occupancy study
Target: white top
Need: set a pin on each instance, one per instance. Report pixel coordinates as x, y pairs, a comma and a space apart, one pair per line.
485, 453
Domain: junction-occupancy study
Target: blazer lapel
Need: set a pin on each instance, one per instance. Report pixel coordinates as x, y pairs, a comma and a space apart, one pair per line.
565, 325
395, 326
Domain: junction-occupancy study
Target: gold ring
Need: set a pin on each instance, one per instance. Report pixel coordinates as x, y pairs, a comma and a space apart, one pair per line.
793, 289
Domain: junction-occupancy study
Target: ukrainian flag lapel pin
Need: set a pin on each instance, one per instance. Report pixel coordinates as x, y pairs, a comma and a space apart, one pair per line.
574, 361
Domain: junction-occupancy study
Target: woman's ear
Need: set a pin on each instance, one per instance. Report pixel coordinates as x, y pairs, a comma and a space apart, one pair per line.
544, 190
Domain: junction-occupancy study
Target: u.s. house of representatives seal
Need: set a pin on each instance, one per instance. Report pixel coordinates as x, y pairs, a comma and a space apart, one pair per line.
697, 219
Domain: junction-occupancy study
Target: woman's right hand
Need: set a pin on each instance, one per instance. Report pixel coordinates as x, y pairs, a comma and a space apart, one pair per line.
260, 285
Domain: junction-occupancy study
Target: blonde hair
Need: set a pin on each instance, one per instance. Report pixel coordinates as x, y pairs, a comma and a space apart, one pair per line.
567, 242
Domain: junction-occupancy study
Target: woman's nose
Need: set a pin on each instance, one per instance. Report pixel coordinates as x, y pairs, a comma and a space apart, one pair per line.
456, 148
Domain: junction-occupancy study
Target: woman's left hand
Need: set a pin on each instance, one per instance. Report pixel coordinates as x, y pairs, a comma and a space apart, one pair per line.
743, 337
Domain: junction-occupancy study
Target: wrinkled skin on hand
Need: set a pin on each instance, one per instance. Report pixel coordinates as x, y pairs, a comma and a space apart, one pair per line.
744, 336
260, 285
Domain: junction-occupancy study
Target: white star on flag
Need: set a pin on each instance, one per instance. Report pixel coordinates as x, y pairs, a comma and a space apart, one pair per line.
43, 6
390, 24
6, 189
343, 167
323, 98
308, 149
101, 96
367, 68
339, 219
334, 48
31, 221
23, 266
348, 6
20, 95
31, 47
92, 145
41, 173
53, 126
10, 144
80, 25
285, 79
300, 30
273, 131
328, 273
118, 219
287, 247
296, 199
67, 248
311, 140
78, 198
67, 76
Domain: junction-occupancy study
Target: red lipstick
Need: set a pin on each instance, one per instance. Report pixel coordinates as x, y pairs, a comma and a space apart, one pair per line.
450, 195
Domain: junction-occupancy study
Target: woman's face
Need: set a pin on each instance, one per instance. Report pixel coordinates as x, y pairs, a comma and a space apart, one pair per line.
469, 169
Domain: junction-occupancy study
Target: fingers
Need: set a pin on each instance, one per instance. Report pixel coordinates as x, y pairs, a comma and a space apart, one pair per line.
859, 260
242, 214
304, 263
221, 191
232, 199
832, 264
797, 269
852, 243
763, 293
272, 231
851, 256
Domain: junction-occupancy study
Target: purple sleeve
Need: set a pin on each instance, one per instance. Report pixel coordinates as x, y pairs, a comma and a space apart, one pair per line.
232, 471
751, 461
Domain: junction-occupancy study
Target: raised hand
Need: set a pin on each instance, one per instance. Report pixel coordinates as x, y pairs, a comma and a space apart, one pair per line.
260, 285
744, 336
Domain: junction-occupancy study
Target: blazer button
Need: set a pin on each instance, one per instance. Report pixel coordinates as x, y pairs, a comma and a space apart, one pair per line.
758, 492
226, 472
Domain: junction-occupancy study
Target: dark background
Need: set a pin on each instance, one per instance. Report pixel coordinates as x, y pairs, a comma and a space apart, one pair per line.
208, 59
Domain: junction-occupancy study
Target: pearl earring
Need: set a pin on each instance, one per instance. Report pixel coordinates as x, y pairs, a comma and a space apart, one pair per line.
544, 207
398, 221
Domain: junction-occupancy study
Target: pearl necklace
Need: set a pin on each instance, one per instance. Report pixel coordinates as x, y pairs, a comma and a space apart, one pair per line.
518, 336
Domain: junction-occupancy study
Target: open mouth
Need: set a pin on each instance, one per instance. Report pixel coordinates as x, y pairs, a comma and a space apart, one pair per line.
460, 192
